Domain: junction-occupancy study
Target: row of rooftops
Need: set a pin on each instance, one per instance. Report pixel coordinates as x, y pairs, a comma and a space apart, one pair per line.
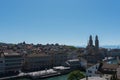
31, 48
28, 55
4, 54
36, 55
107, 66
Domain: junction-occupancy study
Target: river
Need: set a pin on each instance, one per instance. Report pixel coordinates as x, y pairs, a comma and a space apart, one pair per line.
62, 77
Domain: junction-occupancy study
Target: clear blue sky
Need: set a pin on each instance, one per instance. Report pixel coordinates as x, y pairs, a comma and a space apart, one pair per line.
60, 21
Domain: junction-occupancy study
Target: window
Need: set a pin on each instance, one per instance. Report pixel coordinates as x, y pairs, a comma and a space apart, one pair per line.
96, 67
89, 71
1, 61
89, 75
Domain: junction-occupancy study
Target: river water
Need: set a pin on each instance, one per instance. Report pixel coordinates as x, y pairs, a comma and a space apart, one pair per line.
62, 77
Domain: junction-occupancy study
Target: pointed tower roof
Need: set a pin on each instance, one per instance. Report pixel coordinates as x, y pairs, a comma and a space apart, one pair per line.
96, 37
90, 41
90, 38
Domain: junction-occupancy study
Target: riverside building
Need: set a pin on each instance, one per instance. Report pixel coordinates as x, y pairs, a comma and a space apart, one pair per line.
58, 59
42, 61
10, 62
2, 65
34, 62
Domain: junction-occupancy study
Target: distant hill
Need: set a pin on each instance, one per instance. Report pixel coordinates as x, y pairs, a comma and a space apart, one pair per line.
112, 46
105, 46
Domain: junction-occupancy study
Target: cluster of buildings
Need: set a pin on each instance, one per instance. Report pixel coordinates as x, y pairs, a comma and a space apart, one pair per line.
93, 53
99, 62
35, 57
14, 62
15, 58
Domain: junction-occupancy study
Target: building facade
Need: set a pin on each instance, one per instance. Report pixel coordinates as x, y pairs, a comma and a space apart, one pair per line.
34, 62
13, 62
74, 63
92, 70
58, 59
10, 62
2, 64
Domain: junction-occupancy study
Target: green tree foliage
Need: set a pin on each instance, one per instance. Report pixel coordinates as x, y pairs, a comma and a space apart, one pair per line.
72, 47
76, 75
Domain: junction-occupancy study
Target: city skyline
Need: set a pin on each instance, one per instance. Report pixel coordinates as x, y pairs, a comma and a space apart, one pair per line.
65, 21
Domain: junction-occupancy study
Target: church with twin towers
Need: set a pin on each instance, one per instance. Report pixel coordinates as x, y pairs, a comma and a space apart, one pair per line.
93, 48
93, 53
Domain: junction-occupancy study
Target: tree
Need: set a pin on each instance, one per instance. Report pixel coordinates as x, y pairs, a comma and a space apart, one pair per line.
76, 75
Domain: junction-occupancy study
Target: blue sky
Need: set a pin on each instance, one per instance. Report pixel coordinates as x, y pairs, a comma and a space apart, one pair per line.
60, 21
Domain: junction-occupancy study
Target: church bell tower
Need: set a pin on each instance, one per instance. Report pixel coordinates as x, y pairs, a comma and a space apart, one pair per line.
96, 43
90, 41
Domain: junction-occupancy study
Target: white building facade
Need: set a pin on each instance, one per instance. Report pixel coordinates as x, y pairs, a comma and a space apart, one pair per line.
92, 70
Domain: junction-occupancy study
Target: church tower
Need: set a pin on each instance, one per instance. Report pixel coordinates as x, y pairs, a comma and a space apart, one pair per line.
96, 43
90, 41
